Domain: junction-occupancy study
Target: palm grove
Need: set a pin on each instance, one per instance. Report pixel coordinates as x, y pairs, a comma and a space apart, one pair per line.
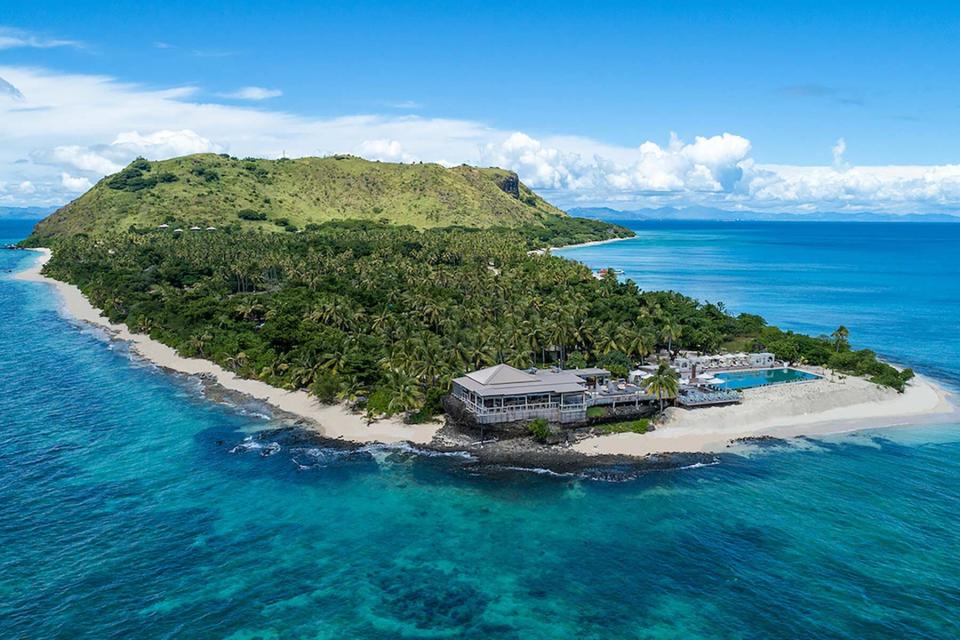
386, 316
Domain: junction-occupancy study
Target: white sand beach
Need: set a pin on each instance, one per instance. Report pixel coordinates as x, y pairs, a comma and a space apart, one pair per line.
831, 405
333, 421
538, 252
827, 406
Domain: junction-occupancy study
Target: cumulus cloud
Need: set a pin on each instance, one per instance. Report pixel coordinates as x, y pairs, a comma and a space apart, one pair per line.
385, 150
894, 188
70, 130
541, 166
110, 158
71, 183
84, 159
164, 143
253, 93
706, 164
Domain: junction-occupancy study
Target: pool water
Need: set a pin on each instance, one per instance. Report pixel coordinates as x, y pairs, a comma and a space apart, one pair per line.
761, 378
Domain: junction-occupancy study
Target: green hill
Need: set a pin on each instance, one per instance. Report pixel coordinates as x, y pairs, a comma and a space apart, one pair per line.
276, 195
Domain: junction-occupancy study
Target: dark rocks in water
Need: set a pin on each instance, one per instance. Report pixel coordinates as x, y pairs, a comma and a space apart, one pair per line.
270, 450
503, 451
761, 441
428, 598
508, 455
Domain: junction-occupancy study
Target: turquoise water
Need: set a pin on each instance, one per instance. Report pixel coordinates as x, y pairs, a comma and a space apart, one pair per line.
132, 507
896, 286
761, 378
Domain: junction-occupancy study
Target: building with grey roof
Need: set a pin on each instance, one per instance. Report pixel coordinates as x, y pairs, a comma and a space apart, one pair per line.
505, 394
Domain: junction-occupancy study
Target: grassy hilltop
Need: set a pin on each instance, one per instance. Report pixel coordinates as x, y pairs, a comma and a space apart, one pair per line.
287, 195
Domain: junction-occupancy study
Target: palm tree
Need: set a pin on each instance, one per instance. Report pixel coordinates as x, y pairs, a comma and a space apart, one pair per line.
199, 342
404, 393
248, 309
638, 345
670, 331
237, 362
143, 325
840, 338
607, 340
663, 382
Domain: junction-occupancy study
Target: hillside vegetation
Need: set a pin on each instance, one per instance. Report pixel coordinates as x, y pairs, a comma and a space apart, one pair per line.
288, 195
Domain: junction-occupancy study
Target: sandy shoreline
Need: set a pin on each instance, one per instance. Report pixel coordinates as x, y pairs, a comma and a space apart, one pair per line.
539, 252
824, 407
831, 405
332, 421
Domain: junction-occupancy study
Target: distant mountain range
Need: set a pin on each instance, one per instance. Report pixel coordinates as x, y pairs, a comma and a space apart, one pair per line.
708, 213
25, 213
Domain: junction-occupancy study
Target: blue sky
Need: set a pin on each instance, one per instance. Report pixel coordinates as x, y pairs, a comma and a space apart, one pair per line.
583, 85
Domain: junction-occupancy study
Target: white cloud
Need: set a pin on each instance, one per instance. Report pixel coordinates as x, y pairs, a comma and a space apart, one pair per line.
707, 164
164, 144
838, 150
893, 188
405, 104
385, 150
106, 159
540, 166
84, 159
17, 38
69, 130
253, 93
7, 89
71, 183
27, 187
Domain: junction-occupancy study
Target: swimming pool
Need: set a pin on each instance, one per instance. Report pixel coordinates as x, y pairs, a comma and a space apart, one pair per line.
761, 378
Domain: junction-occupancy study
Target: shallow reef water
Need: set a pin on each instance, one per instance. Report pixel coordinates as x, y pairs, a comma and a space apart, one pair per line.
131, 506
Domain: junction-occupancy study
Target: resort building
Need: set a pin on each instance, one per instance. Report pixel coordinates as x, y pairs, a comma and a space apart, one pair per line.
502, 394
687, 360
505, 394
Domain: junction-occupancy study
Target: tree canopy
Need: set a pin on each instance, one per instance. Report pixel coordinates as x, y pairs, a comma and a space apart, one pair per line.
388, 315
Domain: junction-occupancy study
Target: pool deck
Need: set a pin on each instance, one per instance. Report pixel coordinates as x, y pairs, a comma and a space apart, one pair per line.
816, 376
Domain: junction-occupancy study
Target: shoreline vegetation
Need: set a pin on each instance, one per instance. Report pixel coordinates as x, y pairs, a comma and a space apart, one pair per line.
578, 245
833, 405
331, 421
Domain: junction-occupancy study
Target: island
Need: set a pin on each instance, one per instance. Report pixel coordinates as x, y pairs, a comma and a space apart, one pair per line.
379, 302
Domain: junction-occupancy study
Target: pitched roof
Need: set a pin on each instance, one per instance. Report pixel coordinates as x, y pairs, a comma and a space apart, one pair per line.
589, 372
501, 374
504, 380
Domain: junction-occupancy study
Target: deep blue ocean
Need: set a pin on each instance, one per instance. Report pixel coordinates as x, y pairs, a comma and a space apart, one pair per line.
133, 507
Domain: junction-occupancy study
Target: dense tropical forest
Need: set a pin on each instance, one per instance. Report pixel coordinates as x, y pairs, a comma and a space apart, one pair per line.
386, 316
